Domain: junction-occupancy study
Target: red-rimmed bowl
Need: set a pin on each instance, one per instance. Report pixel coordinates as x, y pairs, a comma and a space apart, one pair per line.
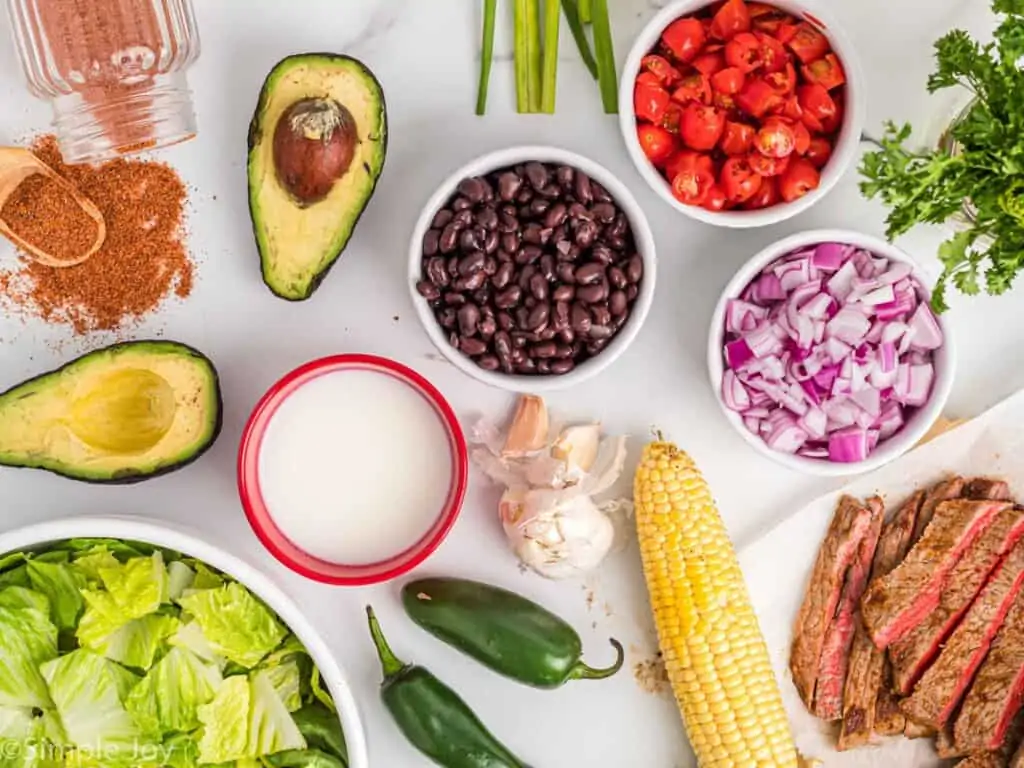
259, 515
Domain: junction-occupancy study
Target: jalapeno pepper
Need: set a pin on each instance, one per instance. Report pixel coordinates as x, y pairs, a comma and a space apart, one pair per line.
433, 717
502, 630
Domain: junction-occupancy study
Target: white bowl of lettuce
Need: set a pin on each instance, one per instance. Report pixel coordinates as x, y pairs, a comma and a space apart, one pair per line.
127, 643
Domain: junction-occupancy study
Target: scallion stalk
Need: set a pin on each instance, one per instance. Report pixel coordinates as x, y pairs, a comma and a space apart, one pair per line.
604, 52
521, 56
549, 78
486, 54
585, 13
534, 52
572, 16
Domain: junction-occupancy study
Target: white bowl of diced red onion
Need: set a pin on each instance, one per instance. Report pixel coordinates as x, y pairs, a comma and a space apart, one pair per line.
825, 353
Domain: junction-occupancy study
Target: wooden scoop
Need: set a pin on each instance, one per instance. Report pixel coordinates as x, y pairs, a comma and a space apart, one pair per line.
16, 165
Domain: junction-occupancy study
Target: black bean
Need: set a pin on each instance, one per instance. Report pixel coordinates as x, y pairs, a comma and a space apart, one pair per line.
488, 362
592, 294
505, 321
508, 298
543, 367
436, 272
619, 226
632, 292
502, 277
454, 299
454, 339
508, 185
618, 303
522, 316
579, 211
532, 233
551, 192
528, 254
545, 235
635, 268
503, 349
529, 302
469, 240
472, 262
547, 266
441, 218
469, 316
563, 351
567, 336
547, 333
564, 175
565, 272
586, 232
486, 327
461, 204
601, 315
491, 266
537, 174
463, 218
449, 238
556, 215
600, 193
508, 222
538, 317
518, 355
452, 267
584, 190
596, 346
618, 243
563, 366
491, 242
472, 346
430, 242
538, 207
603, 212
539, 286
472, 189
526, 367
487, 311
600, 332
544, 350
602, 253
428, 290
447, 318
564, 293
617, 277
487, 217
619, 321
580, 318
589, 273
510, 241
525, 196
482, 295
525, 274
472, 282
520, 339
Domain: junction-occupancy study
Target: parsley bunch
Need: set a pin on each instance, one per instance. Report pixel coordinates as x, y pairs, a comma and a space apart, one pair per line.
988, 169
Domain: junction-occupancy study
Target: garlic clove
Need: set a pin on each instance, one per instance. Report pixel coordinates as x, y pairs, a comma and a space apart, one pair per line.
608, 466
529, 429
577, 446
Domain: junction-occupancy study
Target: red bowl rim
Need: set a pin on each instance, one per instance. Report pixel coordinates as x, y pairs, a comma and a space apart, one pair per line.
259, 516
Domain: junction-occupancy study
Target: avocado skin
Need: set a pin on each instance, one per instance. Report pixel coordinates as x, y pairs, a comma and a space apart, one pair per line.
255, 135
129, 477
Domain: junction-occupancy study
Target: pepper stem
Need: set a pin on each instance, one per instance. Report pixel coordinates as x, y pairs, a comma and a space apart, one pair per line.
582, 672
390, 664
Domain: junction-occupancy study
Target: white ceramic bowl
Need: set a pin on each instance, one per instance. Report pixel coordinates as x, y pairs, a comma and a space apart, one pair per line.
919, 422
843, 153
641, 234
181, 540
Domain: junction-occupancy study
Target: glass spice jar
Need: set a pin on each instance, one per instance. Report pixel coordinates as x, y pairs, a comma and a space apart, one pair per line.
114, 71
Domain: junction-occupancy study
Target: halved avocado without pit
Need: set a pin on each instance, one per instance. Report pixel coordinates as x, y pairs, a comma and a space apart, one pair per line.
317, 144
120, 414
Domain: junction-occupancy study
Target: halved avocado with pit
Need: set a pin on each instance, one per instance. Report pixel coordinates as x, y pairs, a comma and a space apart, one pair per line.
120, 414
317, 144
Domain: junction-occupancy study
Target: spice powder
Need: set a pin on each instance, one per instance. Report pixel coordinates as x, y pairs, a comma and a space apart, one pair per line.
43, 213
142, 261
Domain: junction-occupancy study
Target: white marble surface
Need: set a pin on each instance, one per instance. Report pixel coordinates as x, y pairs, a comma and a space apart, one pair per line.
425, 55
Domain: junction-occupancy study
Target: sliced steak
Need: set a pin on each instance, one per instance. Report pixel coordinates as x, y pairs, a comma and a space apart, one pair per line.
987, 488
1017, 761
838, 550
983, 760
995, 697
942, 686
889, 718
914, 730
912, 655
896, 603
944, 490
866, 672
945, 746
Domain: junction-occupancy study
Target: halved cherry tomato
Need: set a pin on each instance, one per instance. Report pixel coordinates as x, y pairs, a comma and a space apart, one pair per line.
831, 123
684, 38
702, 126
757, 98
759, 10
768, 166
732, 18
819, 151
817, 106
786, 31
739, 180
800, 178
766, 196
807, 43
695, 87
770, 23
724, 102
660, 67
648, 78
826, 72
709, 62
744, 52
776, 138
728, 81
656, 142
738, 138
673, 117
773, 53
684, 159
783, 81
803, 137
692, 177
649, 102
715, 199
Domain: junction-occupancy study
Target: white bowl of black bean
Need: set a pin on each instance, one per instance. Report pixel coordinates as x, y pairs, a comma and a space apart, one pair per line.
532, 268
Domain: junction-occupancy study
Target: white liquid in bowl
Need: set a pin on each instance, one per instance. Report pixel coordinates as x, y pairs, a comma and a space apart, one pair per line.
355, 467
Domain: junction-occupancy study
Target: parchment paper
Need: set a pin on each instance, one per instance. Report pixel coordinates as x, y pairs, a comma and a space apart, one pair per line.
778, 564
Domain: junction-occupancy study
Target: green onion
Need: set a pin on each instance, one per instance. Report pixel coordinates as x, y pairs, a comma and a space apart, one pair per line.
572, 16
604, 51
534, 52
552, 20
585, 13
521, 56
486, 55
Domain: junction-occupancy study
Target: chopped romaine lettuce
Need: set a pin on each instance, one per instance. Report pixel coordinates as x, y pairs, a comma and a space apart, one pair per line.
169, 696
62, 584
236, 624
137, 643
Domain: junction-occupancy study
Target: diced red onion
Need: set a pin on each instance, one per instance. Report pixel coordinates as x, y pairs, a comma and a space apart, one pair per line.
813, 453
753, 424
762, 341
828, 257
887, 357
918, 385
737, 352
817, 306
870, 400
814, 423
848, 445
890, 421
734, 394
848, 325
841, 283
787, 438
740, 314
898, 270
767, 288
793, 273
882, 295
927, 334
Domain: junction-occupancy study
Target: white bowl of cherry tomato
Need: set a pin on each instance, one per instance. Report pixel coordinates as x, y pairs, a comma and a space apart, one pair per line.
741, 114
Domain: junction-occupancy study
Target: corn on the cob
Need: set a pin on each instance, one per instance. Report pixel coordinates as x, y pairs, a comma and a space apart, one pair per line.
712, 646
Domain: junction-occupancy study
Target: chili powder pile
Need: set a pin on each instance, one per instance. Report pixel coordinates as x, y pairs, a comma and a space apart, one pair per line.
142, 261
44, 214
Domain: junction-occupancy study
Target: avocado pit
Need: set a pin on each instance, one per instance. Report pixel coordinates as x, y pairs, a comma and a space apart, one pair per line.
314, 142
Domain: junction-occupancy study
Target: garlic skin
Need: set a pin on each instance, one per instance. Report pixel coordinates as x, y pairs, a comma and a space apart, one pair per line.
558, 534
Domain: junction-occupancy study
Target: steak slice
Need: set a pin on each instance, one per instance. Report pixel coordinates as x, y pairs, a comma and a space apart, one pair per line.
987, 488
912, 655
867, 701
945, 746
896, 603
995, 697
983, 760
940, 689
839, 548
835, 651
914, 730
944, 490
